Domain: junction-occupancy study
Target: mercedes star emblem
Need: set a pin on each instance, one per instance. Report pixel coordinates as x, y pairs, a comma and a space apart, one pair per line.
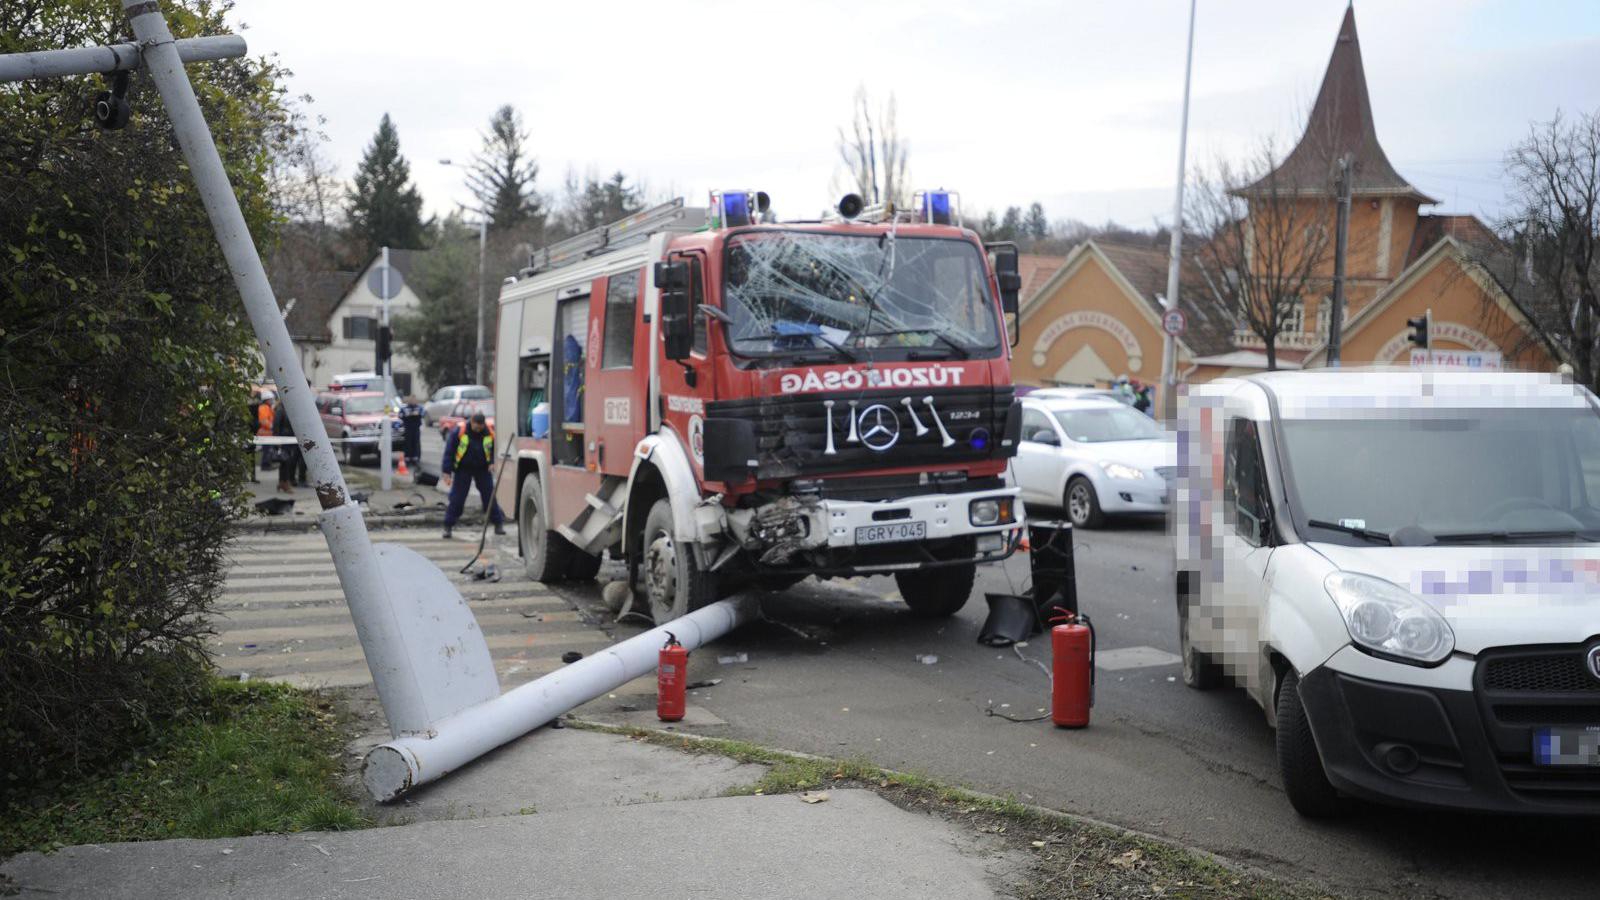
878, 427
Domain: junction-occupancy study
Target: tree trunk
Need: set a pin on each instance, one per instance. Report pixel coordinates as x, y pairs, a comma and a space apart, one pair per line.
1272, 351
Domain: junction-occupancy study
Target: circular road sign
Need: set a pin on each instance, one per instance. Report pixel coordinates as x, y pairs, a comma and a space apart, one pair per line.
1173, 322
375, 282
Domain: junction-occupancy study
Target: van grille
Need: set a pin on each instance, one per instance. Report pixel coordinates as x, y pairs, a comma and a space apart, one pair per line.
1559, 671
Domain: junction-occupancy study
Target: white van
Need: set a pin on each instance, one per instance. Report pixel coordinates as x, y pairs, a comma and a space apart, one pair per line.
1401, 567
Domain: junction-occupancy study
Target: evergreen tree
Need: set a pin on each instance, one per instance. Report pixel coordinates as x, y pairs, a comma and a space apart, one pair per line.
1036, 225
503, 173
384, 208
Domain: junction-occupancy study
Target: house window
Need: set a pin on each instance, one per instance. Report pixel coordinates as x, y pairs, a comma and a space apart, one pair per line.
622, 300
360, 328
1296, 320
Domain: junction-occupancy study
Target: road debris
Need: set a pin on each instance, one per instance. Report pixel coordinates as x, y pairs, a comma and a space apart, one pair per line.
711, 682
572, 656
733, 659
814, 796
927, 659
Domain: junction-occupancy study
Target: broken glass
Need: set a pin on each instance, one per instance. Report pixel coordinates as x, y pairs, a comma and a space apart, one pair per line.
795, 290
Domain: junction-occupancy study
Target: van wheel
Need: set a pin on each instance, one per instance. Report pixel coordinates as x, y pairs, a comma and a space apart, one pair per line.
936, 593
1200, 670
1083, 505
671, 580
1304, 779
547, 556
349, 450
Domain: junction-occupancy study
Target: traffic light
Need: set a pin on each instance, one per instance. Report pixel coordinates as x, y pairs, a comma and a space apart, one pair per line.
1419, 330
382, 356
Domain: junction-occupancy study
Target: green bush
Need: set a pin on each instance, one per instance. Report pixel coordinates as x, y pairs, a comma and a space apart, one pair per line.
124, 364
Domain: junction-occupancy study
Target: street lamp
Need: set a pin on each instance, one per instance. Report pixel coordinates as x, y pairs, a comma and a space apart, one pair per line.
483, 243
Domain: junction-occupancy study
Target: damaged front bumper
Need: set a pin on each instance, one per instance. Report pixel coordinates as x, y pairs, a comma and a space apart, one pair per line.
817, 536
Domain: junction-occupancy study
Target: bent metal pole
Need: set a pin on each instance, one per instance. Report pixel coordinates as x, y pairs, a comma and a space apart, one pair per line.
396, 767
394, 671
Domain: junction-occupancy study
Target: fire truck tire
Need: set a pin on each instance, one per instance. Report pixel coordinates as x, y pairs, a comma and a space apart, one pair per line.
546, 555
937, 593
1304, 779
669, 578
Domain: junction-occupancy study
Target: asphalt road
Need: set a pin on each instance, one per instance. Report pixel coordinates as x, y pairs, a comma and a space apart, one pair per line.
838, 672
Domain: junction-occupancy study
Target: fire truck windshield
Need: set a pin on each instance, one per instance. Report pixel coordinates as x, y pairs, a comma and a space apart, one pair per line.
797, 291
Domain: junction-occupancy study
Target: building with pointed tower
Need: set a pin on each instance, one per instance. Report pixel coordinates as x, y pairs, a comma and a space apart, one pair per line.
1099, 314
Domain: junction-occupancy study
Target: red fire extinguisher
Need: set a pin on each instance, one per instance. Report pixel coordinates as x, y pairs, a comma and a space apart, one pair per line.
1072, 669
672, 672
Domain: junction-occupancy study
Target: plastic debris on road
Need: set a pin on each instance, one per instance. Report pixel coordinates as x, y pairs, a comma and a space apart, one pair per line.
734, 659
927, 659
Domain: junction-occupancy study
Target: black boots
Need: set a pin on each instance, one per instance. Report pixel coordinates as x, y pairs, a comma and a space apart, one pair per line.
499, 528
447, 532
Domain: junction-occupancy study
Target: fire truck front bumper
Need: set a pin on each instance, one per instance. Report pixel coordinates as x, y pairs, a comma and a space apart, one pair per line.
850, 537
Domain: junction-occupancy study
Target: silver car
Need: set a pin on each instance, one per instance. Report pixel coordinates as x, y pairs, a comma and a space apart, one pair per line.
445, 399
1093, 458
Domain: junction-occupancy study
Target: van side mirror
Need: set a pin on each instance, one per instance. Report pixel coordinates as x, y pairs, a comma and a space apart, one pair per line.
1004, 257
677, 320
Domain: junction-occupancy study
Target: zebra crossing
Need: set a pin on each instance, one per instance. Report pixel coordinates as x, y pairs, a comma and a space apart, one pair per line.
282, 616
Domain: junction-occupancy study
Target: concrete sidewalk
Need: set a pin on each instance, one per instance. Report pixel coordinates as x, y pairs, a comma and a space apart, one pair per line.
566, 813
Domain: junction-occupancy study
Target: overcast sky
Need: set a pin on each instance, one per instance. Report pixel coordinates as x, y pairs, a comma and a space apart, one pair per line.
1074, 104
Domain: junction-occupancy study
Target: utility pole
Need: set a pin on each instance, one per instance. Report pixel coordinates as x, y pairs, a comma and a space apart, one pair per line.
1169, 343
385, 433
1340, 241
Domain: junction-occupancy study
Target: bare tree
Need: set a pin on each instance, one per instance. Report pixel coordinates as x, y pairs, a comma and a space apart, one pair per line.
1554, 231
874, 154
1264, 245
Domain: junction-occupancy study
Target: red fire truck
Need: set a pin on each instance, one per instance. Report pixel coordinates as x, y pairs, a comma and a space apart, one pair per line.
720, 400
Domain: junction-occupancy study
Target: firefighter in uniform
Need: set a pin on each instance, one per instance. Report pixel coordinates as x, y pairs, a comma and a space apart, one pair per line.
468, 452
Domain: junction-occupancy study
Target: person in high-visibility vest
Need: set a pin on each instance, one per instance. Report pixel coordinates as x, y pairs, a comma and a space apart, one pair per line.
468, 452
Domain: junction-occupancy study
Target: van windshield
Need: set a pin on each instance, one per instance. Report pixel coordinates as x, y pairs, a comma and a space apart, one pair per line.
797, 291
359, 404
1464, 476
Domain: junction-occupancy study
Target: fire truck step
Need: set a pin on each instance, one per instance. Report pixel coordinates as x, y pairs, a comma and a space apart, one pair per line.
601, 507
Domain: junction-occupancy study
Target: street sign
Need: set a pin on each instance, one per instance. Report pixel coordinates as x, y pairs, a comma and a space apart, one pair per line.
1479, 360
375, 282
1173, 322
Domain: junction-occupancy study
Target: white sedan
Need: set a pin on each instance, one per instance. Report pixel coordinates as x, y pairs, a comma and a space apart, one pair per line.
1094, 458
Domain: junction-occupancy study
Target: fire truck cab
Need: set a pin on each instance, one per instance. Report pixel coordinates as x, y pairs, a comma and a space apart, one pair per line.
721, 401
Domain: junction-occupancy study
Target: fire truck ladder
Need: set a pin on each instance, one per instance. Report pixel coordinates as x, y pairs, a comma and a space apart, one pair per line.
670, 216
600, 524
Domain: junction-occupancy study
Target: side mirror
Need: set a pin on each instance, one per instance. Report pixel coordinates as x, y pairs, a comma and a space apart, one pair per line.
335, 410
677, 320
1004, 257
1045, 436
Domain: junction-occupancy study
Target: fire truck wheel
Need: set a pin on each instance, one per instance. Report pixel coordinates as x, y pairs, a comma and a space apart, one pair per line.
937, 593
671, 581
546, 555
582, 566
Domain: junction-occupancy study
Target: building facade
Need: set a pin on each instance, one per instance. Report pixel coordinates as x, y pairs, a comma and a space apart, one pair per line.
1099, 316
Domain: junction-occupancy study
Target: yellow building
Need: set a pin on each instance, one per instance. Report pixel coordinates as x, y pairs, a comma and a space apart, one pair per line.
1098, 316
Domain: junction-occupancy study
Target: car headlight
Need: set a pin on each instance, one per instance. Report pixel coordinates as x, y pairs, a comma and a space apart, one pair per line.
1389, 620
990, 511
1118, 470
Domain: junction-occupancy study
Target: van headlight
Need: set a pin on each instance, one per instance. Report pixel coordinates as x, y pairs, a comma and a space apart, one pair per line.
1389, 620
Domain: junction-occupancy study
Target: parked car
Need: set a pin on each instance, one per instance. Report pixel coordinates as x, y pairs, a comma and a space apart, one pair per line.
1072, 393
356, 418
462, 411
444, 400
1093, 457
1402, 569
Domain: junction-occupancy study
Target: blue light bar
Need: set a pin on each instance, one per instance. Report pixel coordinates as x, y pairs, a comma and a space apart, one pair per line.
936, 207
735, 209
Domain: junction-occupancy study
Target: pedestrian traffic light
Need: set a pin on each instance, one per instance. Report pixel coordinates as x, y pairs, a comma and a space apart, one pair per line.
1419, 330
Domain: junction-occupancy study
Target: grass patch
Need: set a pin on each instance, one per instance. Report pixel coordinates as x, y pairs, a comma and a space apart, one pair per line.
253, 758
1069, 858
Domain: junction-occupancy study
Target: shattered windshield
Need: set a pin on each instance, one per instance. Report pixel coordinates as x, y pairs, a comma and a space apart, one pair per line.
793, 290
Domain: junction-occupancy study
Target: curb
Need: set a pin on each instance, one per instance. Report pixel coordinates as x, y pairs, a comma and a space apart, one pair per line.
1045, 811
374, 521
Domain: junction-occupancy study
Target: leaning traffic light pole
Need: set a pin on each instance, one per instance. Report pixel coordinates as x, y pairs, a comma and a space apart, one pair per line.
428, 658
